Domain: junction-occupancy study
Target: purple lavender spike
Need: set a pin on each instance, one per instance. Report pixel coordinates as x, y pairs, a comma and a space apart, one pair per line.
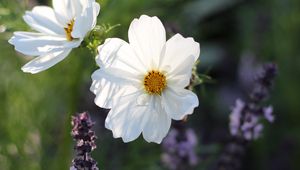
85, 142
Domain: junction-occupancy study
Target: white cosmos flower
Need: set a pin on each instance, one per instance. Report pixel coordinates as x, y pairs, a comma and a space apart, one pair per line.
143, 81
58, 31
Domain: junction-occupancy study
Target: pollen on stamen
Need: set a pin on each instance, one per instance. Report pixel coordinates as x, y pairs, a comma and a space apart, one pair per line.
69, 30
155, 82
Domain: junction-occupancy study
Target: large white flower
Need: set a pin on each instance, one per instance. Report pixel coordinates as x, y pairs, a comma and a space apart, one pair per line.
59, 30
143, 81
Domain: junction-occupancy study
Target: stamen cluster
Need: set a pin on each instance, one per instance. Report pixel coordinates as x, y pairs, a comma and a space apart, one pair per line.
69, 30
155, 82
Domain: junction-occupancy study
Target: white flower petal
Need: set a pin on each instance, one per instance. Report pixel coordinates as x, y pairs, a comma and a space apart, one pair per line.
116, 53
180, 78
158, 123
86, 21
96, 11
178, 50
127, 120
109, 85
43, 19
179, 81
147, 36
34, 44
44, 62
179, 102
65, 10
116, 76
76, 7
105, 92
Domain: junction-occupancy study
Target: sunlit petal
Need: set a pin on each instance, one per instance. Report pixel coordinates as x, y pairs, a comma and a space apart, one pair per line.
44, 62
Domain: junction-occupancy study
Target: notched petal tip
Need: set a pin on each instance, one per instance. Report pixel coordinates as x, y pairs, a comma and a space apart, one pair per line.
118, 134
191, 41
179, 103
127, 140
157, 141
107, 52
144, 17
11, 40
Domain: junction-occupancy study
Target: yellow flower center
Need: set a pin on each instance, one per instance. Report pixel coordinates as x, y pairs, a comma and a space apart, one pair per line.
69, 30
155, 82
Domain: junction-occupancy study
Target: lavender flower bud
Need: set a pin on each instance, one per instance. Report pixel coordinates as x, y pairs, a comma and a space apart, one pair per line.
268, 113
257, 131
85, 142
235, 117
263, 83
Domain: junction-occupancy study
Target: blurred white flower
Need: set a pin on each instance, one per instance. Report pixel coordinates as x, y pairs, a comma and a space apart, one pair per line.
58, 31
143, 81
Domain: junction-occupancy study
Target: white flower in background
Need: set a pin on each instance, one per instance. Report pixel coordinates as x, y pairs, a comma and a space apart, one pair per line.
143, 81
59, 31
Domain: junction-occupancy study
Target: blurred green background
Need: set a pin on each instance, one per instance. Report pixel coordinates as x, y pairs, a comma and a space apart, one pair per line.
235, 36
